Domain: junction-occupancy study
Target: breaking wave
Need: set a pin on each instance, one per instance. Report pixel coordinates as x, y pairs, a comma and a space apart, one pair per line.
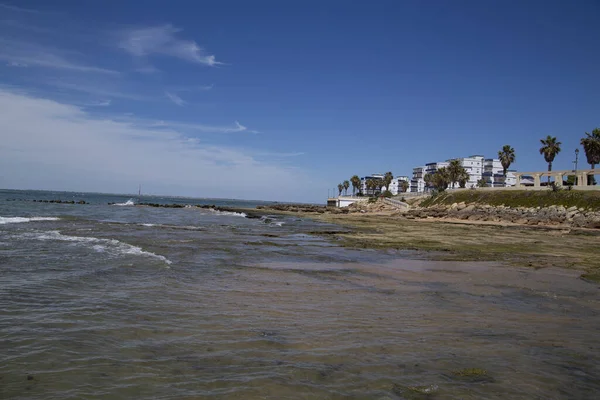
111, 246
129, 202
229, 213
271, 220
16, 220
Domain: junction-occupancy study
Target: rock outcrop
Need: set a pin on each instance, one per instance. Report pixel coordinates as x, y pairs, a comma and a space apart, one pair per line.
553, 215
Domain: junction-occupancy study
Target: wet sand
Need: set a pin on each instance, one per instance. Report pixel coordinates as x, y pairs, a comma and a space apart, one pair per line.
517, 245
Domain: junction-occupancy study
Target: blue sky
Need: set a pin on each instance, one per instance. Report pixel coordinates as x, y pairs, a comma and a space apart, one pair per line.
282, 100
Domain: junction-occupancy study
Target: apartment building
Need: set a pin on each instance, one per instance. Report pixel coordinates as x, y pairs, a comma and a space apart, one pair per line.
476, 166
395, 186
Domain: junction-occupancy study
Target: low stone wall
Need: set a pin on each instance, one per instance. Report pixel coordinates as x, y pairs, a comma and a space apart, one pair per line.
553, 215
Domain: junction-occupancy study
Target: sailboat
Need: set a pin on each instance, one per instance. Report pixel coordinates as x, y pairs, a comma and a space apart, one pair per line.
139, 194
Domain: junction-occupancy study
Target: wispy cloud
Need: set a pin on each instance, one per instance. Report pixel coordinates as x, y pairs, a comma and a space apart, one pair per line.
237, 127
19, 52
11, 23
192, 88
101, 89
114, 155
147, 69
18, 9
175, 99
280, 155
16, 64
162, 40
104, 103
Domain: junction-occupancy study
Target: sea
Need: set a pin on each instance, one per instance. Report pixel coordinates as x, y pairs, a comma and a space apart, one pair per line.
113, 300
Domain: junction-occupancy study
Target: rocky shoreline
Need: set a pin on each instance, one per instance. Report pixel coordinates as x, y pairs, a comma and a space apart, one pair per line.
303, 208
553, 215
556, 215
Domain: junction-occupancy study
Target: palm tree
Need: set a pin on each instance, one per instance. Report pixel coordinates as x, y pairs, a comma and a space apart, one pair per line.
428, 179
387, 179
550, 148
454, 170
591, 146
370, 184
346, 185
441, 179
355, 180
507, 157
463, 178
404, 186
340, 188
482, 183
380, 184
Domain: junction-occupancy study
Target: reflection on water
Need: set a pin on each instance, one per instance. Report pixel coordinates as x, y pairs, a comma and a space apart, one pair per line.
307, 330
104, 302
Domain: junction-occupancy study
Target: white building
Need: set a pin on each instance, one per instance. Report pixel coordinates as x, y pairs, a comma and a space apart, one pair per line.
476, 166
493, 174
395, 186
432, 167
417, 183
511, 178
363, 183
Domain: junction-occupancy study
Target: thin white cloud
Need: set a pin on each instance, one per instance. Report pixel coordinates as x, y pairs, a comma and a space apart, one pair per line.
104, 103
197, 88
16, 64
23, 26
237, 127
102, 90
77, 151
280, 155
147, 69
19, 52
162, 40
19, 9
175, 99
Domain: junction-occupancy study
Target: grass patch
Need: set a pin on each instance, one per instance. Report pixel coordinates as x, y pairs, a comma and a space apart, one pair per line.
519, 198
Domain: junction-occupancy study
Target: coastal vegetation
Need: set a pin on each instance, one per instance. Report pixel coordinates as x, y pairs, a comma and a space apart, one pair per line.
446, 177
550, 148
591, 147
355, 180
387, 180
404, 185
506, 157
455, 175
519, 198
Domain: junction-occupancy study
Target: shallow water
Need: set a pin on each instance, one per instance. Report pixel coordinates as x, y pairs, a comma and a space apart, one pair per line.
131, 302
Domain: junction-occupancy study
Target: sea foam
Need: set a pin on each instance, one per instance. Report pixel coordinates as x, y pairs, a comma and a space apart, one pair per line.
16, 220
228, 213
111, 246
129, 202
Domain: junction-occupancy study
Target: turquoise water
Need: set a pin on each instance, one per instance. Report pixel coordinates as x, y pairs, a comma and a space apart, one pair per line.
111, 302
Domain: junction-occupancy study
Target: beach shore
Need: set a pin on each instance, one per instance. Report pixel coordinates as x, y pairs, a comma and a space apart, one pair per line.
535, 246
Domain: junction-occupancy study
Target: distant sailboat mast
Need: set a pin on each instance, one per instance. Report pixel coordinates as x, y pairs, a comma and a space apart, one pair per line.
139, 192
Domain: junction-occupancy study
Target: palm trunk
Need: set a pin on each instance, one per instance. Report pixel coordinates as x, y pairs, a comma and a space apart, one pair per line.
549, 169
